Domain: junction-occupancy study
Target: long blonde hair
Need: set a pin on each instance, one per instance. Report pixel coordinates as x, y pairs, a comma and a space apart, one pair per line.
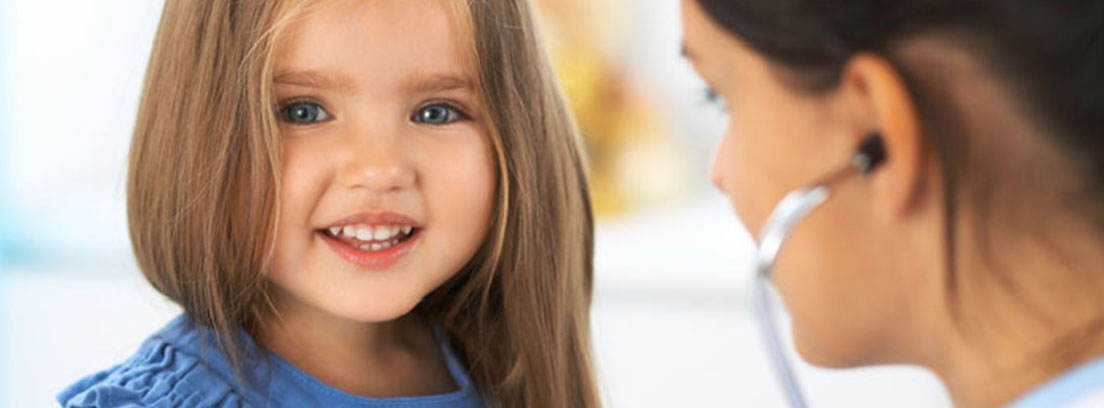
205, 173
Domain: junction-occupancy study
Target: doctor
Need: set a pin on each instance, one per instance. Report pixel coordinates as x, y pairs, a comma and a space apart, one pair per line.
960, 145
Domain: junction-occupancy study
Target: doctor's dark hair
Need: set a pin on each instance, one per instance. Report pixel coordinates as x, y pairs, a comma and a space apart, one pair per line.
1049, 55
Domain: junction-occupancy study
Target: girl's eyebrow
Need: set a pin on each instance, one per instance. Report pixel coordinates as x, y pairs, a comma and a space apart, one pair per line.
316, 79
424, 83
416, 83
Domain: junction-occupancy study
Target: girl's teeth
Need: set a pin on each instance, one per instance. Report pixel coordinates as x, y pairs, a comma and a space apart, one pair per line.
377, 246
388, 235
382, 233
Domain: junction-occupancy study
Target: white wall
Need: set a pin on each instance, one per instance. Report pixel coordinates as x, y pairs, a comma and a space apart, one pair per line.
73, 70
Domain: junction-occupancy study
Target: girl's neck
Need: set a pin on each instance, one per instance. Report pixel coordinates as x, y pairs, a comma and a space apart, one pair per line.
395, 358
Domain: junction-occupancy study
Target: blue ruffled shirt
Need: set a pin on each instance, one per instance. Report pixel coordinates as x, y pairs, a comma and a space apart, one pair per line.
179, 367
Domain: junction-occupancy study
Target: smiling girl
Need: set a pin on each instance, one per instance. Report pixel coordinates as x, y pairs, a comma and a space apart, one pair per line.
356, 203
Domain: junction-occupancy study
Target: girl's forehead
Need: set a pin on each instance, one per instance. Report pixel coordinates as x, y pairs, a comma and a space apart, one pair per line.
359, 42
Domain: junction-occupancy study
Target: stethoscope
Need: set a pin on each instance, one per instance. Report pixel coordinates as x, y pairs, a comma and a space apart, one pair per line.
785, 216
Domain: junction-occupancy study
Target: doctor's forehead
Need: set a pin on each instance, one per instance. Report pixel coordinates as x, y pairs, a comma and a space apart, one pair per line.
699, 34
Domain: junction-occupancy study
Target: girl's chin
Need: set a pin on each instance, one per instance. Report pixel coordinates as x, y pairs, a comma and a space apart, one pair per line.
372, 309
372, 303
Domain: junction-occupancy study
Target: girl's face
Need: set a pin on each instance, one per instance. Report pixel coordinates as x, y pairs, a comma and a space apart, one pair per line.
831, 272
388, 181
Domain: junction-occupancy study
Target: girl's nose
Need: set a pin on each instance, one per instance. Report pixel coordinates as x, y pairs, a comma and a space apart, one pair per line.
377, 163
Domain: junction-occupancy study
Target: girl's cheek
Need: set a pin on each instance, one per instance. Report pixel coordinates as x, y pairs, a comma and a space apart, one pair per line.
466, 189
302, 164
469, 171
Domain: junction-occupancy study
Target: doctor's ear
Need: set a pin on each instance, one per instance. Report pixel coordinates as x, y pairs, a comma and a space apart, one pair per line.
892, 157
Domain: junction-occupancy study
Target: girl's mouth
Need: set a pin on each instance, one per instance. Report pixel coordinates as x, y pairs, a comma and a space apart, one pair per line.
371, 246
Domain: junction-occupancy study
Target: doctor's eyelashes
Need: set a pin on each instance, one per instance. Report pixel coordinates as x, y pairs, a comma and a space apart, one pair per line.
714, 99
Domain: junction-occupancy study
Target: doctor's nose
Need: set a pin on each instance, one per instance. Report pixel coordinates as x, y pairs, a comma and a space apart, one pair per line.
716, 172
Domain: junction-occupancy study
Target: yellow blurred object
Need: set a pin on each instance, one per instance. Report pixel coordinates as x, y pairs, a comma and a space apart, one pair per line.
633, 159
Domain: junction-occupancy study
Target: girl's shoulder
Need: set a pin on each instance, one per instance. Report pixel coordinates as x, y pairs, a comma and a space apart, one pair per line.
167, 371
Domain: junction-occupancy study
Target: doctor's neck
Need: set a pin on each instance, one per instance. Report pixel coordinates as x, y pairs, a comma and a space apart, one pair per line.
1025, 308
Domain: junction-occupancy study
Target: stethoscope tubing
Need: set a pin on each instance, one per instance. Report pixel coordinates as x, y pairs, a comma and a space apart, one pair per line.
791, 210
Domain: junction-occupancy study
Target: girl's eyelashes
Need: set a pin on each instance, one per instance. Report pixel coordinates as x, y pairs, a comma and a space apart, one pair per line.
303, 113
437, 114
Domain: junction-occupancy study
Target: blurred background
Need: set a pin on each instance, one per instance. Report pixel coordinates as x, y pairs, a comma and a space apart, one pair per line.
672, 328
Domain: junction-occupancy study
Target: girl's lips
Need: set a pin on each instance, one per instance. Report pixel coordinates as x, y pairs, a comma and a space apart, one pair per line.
372, 260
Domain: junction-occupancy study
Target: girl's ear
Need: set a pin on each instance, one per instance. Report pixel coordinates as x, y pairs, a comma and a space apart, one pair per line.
885, 106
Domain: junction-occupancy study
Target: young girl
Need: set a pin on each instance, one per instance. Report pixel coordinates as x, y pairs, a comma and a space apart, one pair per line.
357, 203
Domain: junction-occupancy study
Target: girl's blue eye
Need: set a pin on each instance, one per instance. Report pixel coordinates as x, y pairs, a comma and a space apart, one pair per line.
303, 113
437, 114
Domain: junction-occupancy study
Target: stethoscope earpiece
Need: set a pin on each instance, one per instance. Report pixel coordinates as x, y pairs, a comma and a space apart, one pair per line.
870, 154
